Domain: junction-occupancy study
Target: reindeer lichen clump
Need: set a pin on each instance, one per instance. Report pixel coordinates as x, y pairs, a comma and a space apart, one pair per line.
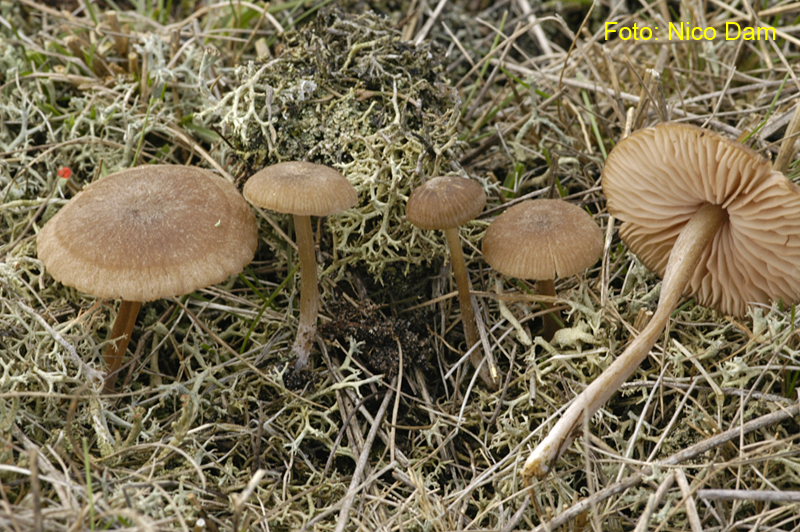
348, 92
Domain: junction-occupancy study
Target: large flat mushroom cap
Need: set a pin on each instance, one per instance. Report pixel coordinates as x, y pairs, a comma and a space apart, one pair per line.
150, 232
302, 188
656, 179
542, 239
445, 202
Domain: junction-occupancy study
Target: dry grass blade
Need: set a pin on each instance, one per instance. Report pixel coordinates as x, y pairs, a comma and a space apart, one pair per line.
750, 495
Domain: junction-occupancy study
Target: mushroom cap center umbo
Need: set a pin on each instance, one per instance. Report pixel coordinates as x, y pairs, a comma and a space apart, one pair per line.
150, 232
542, 239
658, 178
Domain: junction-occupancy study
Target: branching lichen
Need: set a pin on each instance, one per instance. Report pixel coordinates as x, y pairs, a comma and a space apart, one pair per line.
348, 92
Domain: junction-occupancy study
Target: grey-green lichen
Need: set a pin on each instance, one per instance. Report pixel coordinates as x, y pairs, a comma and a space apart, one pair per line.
348, 92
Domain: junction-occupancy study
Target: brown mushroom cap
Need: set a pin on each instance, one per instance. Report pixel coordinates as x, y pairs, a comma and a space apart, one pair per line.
542, 239
445, 202
150, 232
657, 178
301, 188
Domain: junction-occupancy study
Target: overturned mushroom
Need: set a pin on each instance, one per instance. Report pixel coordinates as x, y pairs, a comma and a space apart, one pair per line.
709, 215
303, 190
147, 233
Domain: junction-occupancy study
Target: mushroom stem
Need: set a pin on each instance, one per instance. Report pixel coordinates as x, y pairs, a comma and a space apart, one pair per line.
695, 237
547, 287
309, 293
459, 266
121, 330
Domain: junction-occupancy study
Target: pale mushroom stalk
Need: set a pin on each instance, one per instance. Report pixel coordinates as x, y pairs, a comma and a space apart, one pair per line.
695, 237
309, 293
303, 190
459, 266
444, 203
121, 330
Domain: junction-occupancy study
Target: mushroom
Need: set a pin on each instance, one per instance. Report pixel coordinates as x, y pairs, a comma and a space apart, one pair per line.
146, 233
445, 203
304, 190
543, 239
713, 219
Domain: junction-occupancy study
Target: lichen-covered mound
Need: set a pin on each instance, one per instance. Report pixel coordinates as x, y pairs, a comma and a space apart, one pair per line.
348, 92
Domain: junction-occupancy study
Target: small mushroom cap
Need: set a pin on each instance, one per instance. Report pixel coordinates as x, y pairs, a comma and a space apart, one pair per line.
445, 202
150, 232
301, 188
658, 178
542, 239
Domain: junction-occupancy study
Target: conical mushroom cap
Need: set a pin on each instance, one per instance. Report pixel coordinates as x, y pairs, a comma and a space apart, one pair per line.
445, 202
542, 239
150, 232
656, 179
305, 189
